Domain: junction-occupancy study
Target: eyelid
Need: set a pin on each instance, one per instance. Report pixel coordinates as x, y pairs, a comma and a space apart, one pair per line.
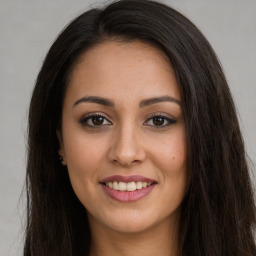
171, 120
163, 114
93, 114
167, 117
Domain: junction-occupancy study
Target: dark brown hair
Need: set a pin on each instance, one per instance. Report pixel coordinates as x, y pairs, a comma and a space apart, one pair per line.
218, 211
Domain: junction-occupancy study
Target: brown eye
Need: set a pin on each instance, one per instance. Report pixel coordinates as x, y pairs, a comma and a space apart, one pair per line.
158, 120
94, 120
97, 120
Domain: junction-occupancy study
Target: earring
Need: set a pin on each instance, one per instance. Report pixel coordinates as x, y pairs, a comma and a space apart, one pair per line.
62, 161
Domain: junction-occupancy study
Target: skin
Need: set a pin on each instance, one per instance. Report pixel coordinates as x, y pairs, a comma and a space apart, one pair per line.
127, 143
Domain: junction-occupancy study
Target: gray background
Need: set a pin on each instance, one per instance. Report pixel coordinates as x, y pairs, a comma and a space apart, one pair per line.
27, 29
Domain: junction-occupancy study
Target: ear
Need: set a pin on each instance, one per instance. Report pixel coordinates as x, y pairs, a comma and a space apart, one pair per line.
61, 149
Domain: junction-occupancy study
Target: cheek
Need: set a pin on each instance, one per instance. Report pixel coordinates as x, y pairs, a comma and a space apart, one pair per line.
84, 152
170, 155
84, 155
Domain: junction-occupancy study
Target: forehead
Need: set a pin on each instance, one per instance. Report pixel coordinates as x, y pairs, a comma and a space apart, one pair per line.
115, 69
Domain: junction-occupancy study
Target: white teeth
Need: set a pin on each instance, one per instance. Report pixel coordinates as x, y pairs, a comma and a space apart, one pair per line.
115, 185
122, 186
139, 185
130, 186
110, 184
144, 184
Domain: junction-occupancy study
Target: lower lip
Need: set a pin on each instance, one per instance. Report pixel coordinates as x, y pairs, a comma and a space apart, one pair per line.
127, 196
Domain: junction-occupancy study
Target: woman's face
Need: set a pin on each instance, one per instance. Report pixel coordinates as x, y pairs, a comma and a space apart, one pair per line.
123, 137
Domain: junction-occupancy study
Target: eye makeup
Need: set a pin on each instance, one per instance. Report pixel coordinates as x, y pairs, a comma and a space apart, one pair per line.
160, 121
94, 120
98, 120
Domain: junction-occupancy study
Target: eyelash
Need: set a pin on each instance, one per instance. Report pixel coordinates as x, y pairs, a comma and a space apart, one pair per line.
85, 119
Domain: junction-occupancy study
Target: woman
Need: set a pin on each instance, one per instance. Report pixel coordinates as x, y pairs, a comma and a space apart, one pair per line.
134, 143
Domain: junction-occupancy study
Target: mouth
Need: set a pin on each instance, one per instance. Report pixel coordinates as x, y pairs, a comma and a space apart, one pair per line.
127, 188
130, 186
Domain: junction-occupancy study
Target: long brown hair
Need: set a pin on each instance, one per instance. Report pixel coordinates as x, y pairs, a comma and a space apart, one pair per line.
218, 211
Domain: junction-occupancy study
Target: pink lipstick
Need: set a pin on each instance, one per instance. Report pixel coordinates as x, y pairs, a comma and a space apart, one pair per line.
127, 188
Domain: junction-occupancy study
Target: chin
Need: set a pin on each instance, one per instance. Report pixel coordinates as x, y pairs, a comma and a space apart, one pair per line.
131, 226
132, 221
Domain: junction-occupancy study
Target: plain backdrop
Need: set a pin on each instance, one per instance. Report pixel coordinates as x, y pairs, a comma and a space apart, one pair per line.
28, 28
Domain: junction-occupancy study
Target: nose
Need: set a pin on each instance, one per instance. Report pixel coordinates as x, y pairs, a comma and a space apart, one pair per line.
127, 147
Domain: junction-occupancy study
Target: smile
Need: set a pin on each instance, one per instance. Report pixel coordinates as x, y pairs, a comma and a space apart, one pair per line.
130, 186
127, 188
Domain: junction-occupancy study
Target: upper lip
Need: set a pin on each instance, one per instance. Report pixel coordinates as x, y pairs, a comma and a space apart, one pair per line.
126, 179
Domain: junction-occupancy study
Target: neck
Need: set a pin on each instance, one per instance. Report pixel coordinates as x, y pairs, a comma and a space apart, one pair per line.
161, 240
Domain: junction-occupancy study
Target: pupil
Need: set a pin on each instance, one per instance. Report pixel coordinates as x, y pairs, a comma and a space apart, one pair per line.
97, 120
158, 121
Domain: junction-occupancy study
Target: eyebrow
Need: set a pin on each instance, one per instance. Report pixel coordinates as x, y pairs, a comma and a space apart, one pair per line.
147, 102
110, 103
95, 99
